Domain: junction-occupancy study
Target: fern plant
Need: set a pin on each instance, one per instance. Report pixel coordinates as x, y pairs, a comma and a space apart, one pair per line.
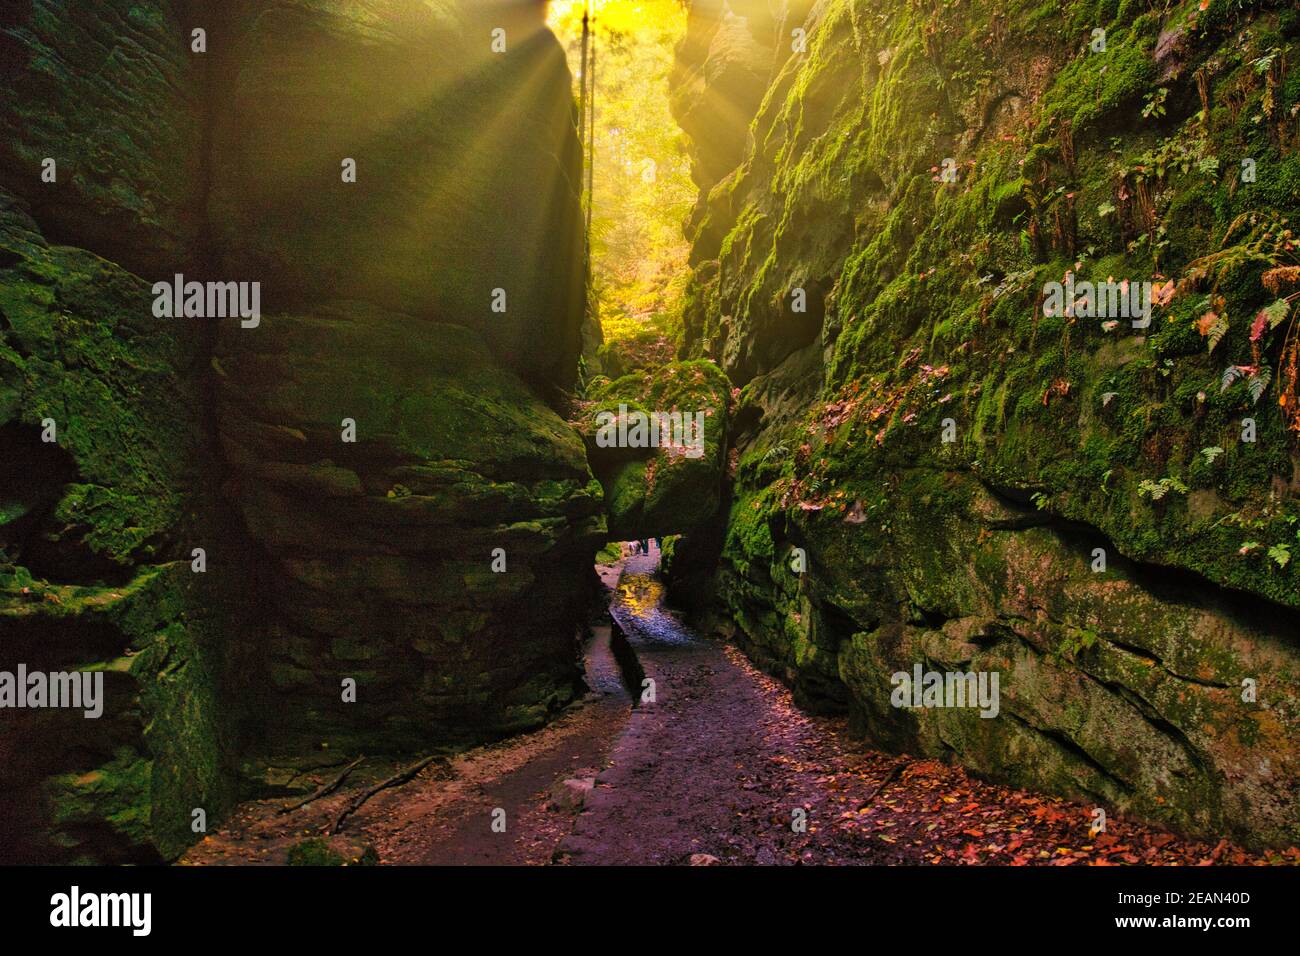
1155, 490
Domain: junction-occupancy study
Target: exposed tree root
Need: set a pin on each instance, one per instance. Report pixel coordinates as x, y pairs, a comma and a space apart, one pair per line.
405, 776
324, 789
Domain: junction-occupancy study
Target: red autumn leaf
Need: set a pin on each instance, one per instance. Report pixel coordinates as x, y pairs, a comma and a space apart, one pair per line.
1258, 326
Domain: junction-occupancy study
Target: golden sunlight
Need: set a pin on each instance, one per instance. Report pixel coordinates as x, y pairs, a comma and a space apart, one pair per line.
640, 190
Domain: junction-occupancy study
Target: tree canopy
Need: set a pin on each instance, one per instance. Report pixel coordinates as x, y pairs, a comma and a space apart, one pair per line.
642, 183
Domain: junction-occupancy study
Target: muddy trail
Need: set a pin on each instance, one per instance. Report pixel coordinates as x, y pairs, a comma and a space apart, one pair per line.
714, 764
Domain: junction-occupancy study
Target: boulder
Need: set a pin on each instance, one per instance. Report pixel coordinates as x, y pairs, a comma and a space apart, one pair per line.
570, 795
659, 479
382, 561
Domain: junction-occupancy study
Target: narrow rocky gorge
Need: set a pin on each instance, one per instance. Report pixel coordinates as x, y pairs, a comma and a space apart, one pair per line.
364, 521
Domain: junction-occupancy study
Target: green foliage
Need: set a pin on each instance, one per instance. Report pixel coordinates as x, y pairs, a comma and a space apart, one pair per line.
1154, 104
1155, 490
1076, 643
317, 851
642, 182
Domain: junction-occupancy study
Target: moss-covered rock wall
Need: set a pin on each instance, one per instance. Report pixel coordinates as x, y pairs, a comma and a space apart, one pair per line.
108, 487
1103, 513
440, 561
209, 139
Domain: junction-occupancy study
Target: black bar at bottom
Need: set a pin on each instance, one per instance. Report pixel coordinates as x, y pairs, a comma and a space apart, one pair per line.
571, 905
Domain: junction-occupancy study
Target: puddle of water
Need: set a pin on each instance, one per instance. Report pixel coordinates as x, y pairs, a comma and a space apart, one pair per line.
637, 605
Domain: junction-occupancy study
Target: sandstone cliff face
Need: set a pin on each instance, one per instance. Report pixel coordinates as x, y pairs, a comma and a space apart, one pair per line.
951, 461
97, 532
325, 559
731, 50
440, 561
466, 165
108, 91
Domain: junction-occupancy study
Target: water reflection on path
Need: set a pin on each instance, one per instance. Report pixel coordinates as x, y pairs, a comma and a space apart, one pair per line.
637, 605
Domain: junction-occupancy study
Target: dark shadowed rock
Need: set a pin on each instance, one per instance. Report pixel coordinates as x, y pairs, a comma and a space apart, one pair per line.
110, 91
380, 553
467, 169
97, 533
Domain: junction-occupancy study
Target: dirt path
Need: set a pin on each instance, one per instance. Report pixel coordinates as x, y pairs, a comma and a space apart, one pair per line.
719, 767
723, 765
445, 815
713, 765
